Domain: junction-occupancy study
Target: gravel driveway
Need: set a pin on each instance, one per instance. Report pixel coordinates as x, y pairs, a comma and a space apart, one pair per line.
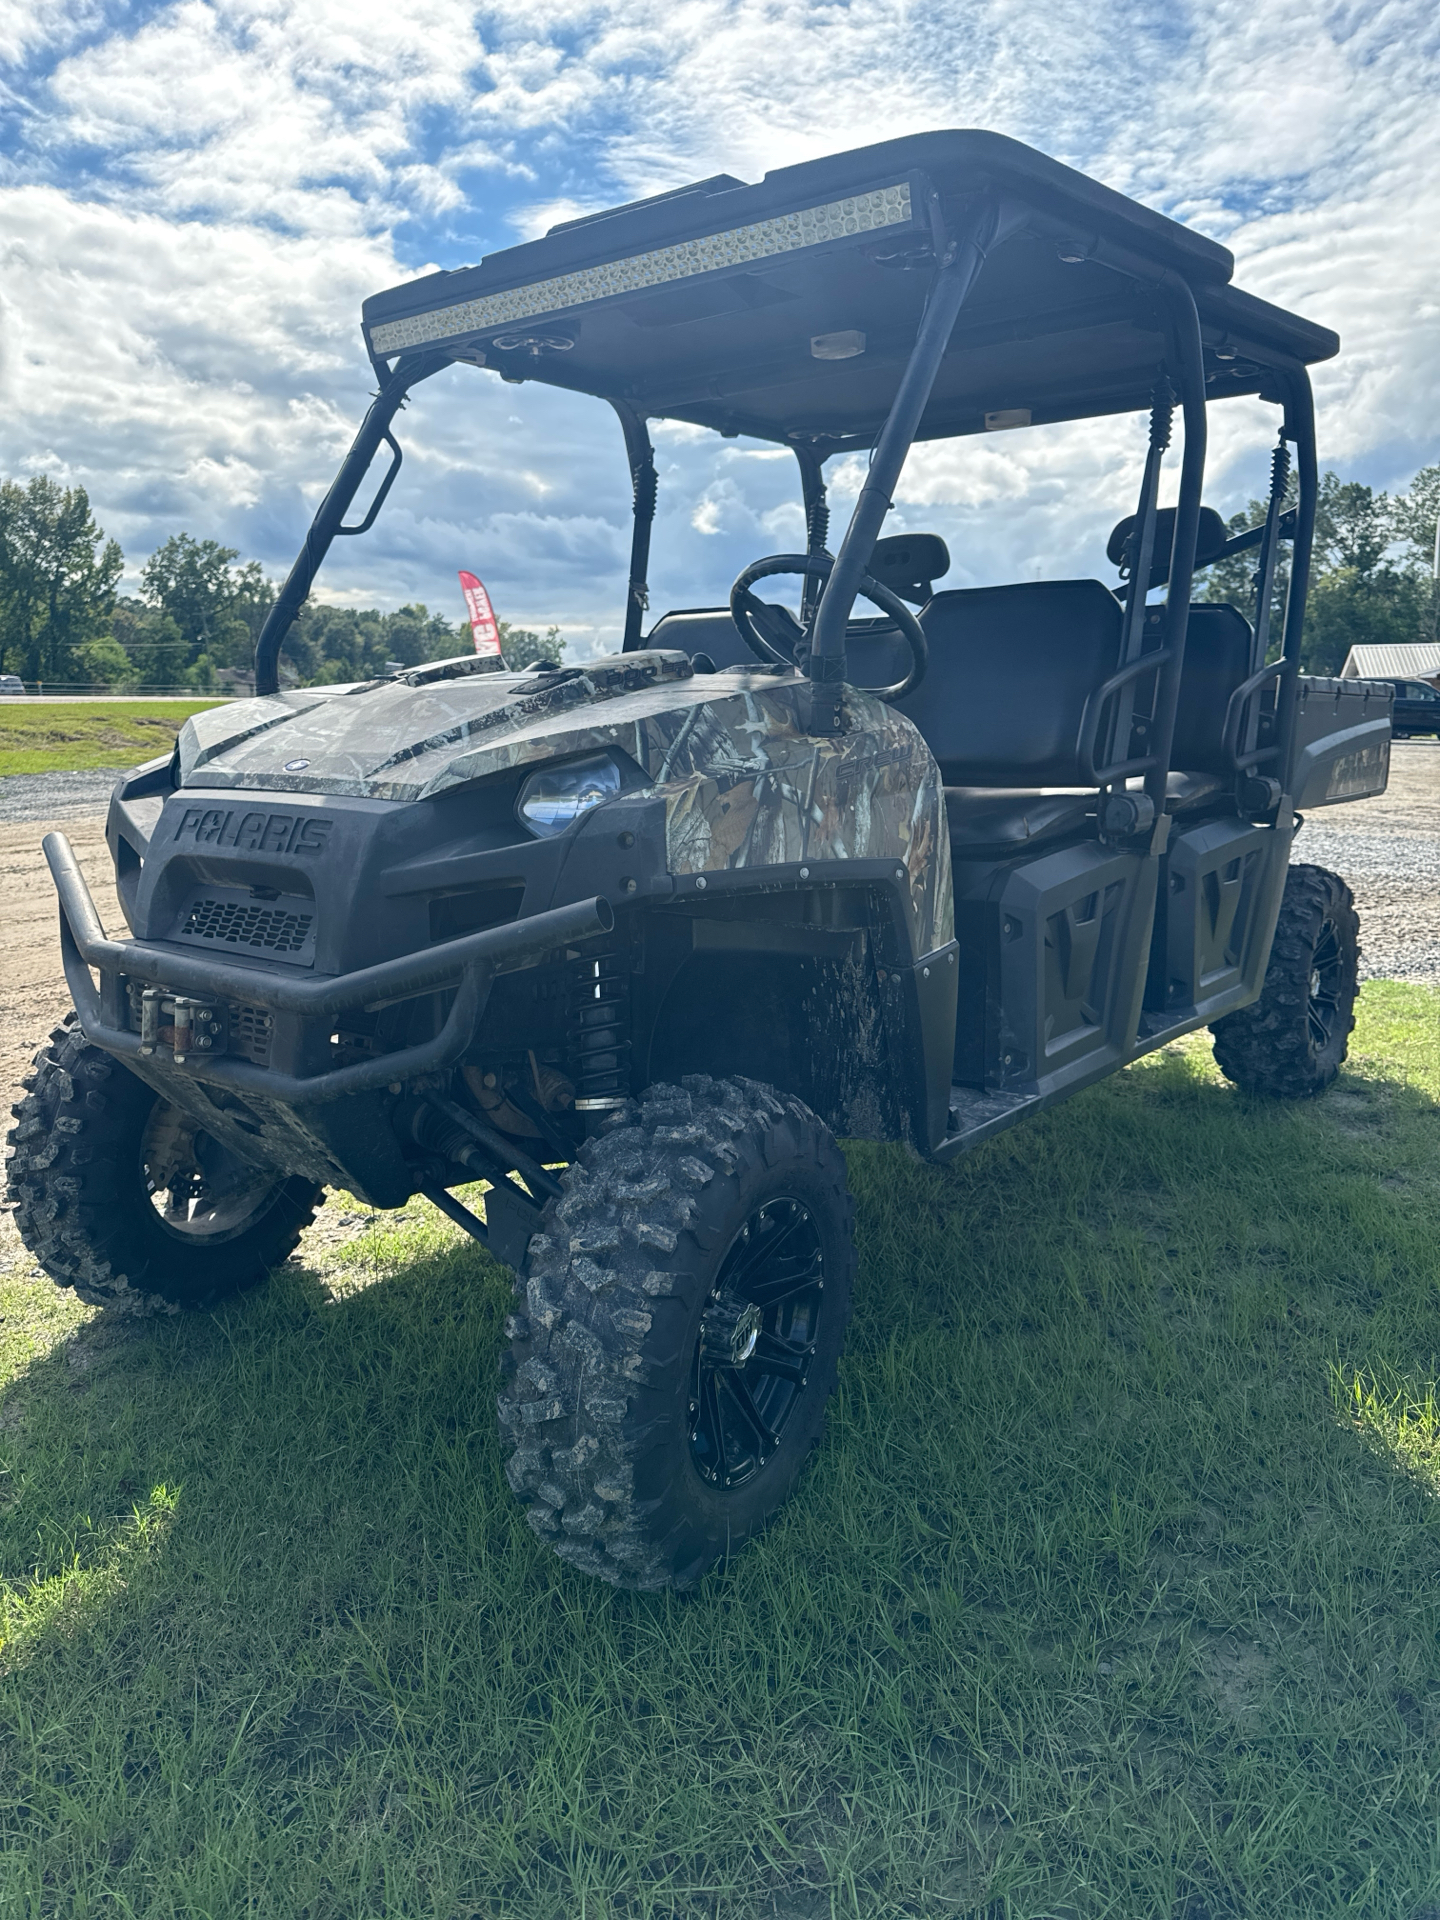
54, 797
1389, 851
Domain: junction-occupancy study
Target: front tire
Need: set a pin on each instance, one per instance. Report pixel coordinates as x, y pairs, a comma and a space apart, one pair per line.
685, 1306
1291, 1044
118, 1195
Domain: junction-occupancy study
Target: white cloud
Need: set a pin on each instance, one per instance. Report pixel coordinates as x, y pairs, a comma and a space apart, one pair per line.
196, 206
31, 26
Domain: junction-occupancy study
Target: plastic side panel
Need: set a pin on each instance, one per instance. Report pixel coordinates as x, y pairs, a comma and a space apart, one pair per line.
1341, 748
1211, 929
1067, 927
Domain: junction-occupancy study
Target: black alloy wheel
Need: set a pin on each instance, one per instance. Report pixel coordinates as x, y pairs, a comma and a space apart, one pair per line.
684, 1306
1291, 1043
757, 1342
121, 1196
1328, 980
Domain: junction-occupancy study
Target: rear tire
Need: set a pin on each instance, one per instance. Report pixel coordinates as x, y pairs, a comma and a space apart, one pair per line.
119, 1196
685, 1306
1291, 1043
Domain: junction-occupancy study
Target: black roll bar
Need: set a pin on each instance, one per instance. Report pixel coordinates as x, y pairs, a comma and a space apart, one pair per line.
817, 523
640, 455
329, 518
1187, 356
1300, 428
959, 267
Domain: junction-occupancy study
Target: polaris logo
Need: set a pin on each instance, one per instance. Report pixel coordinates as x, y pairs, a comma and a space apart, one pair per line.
254, 832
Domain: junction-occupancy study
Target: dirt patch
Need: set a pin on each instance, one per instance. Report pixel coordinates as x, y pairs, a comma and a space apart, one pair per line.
35, 996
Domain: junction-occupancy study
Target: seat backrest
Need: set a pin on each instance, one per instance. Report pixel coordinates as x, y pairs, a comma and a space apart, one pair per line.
1217, 660
1010, 671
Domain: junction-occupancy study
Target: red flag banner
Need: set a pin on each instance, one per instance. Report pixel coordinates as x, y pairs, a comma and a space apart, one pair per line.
483, 624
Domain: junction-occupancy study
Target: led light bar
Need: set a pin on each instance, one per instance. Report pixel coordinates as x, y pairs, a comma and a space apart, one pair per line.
765, 240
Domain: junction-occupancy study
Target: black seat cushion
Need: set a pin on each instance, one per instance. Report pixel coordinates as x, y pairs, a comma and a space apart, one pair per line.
991, 821
1010, 671
1185, 792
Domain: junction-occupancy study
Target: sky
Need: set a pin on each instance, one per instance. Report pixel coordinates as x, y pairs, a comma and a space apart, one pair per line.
196, 197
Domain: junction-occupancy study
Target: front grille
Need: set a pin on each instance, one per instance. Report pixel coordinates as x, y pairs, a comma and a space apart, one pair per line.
250, 1029
268, 929
235, 920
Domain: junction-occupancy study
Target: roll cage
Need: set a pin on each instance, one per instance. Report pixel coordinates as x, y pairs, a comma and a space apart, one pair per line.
925, 288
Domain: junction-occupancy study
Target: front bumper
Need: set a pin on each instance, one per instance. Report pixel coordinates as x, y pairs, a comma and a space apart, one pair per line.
467, 965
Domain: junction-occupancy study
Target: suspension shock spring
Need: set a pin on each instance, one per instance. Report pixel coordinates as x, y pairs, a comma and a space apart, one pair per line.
599, 1029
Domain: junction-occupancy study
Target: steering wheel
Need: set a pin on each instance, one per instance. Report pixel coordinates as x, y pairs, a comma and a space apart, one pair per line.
768, 630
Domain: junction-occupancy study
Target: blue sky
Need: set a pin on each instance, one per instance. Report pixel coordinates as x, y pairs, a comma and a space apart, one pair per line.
195, 198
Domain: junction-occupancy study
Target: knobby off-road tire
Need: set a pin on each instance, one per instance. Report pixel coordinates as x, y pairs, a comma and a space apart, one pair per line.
1291, 1043
95, 1156
684, 1307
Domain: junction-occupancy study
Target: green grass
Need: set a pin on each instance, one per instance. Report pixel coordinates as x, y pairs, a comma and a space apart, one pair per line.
64, 736
1113, 1591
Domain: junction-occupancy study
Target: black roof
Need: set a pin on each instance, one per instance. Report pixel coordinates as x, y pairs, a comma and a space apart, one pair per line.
787, 310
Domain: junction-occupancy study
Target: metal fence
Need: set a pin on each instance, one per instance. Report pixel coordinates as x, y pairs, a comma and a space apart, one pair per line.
79, 689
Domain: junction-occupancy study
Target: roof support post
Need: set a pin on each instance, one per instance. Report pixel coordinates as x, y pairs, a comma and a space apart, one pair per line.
1188, 368
959, 267
817, 524
1269, 555
643, 481
329, 517
1299, 427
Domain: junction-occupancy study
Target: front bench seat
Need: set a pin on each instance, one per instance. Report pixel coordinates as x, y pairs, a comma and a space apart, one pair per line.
1000, 708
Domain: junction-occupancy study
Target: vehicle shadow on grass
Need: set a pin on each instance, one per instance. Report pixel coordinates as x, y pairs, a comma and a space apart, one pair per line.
1099, 1590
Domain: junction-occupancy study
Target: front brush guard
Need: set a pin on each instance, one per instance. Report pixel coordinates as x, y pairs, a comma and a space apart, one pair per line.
470, 964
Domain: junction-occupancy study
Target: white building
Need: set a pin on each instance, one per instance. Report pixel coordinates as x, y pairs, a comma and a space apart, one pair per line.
1416, 660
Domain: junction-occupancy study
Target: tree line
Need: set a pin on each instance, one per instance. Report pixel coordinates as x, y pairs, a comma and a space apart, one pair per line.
1371, 579
197, 616
199, 611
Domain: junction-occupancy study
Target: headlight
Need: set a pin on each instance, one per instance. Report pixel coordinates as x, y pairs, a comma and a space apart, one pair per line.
555, 796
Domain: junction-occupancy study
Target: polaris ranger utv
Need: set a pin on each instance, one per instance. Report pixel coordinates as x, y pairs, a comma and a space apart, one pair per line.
635, 940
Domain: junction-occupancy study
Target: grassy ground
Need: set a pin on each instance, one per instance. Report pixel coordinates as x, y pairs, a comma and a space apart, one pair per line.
66, 736
1114, 1590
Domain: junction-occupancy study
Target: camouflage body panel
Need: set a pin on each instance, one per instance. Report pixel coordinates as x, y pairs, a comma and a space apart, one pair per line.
744, 785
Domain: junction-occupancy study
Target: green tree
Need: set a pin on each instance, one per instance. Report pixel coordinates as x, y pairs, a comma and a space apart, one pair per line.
1367, 581
58, 575
522, 646
153, 644
103, 662
1360, 594
217, 607
329, 645
414, 634
1416, 515
1233, 580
